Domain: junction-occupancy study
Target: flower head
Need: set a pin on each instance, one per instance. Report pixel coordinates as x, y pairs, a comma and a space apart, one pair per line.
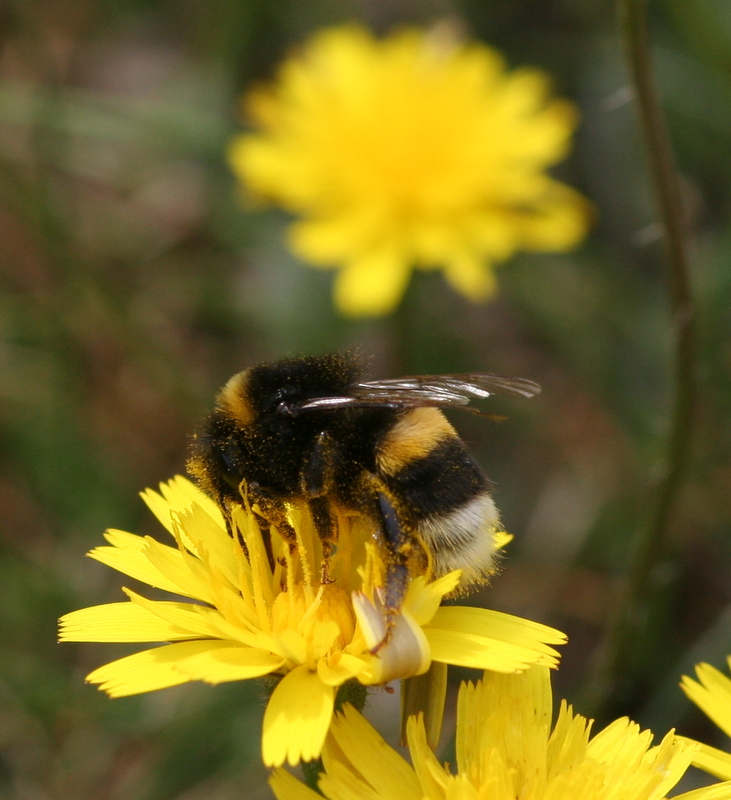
506, 749
255, 614
413, 150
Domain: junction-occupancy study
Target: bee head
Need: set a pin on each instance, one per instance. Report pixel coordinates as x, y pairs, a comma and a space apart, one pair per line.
274, 390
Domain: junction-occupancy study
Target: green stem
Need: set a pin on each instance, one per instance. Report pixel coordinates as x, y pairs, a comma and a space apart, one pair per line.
651, 544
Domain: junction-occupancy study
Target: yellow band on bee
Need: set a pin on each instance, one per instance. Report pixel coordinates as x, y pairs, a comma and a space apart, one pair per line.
234, 398
414, 436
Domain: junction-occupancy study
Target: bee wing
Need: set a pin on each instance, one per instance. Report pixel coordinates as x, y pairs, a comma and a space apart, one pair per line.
447, 391
465, 386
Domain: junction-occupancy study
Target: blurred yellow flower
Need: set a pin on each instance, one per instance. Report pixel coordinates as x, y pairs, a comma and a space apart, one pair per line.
411, 151
253, 615
713, 696
506, 749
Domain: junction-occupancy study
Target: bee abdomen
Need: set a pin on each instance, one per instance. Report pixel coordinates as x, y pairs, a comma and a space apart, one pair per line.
440, 482
463, 538
425, 463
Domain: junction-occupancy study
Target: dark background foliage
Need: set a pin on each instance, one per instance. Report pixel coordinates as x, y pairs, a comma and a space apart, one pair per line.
132, 284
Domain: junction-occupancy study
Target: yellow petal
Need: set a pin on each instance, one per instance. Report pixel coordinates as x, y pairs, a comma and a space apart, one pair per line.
672, 758
485, 639
558, 222
291, 645
127, 555
183, 570
120, 622
425, 696
502, 538
519, 709
519, 640
379, 764
336, 673
471, 276
182, 493
324, 242
430, 773
160, 507
422, 599
621, 736
483, 652
460, 787
149, 670
712, 695
297, 718
342, 782
509, 628
717, 791
180, 498
200, 622
286, 787
372, 285
229, 664
715, 762
209, 540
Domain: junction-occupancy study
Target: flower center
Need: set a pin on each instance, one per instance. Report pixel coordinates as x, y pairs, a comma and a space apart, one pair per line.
325, 622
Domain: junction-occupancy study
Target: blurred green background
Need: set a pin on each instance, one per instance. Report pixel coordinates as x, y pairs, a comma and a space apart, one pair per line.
133, 284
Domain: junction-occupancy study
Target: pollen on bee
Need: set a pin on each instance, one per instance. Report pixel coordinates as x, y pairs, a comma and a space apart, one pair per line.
234, 398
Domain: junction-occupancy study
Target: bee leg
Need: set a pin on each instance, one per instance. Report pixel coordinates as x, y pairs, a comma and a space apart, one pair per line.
271, 511
316, 480
325, 527
398, 544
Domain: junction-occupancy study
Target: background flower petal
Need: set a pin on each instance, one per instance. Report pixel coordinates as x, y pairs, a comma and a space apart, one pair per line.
414, 146
472, 276
372, 284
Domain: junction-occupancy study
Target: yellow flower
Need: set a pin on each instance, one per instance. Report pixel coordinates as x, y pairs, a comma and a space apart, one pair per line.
253, 615
713, 696
506, 749
413, 150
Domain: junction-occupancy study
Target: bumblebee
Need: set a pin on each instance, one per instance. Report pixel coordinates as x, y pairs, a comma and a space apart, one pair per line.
311, 428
